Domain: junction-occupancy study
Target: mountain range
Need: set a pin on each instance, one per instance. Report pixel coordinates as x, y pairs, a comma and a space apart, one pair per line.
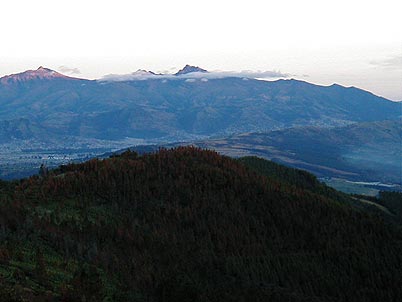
46, 104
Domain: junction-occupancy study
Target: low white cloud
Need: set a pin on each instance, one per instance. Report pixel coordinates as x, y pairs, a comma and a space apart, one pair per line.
138, 75
392, 62
259, 74
66, 69
141, 75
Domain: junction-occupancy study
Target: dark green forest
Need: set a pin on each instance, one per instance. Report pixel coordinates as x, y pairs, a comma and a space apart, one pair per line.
190, 225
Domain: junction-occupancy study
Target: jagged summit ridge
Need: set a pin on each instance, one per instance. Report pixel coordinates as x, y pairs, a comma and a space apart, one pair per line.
189, 69
144, 72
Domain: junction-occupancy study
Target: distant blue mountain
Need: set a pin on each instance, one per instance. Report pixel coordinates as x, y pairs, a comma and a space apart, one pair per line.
43, 102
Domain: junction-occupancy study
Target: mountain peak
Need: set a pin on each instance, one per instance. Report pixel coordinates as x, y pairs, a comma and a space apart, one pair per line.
41, 73
144, 72
42, 69
189, 69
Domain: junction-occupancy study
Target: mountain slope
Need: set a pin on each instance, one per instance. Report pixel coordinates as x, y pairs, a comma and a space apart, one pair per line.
189, 225
176, 108
19, 129
39, 74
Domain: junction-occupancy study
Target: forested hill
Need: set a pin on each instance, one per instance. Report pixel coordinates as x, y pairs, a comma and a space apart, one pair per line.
190, 225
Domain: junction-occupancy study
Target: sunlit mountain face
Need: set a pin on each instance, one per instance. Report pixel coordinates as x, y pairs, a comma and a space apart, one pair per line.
41, 73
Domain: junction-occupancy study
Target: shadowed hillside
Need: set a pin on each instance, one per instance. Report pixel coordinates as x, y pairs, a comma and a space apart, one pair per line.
189, 225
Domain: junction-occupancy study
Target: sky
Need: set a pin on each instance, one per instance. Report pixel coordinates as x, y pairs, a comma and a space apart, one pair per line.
352, 43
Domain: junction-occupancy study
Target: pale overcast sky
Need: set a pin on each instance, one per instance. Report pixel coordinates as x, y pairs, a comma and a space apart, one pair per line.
353, 43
